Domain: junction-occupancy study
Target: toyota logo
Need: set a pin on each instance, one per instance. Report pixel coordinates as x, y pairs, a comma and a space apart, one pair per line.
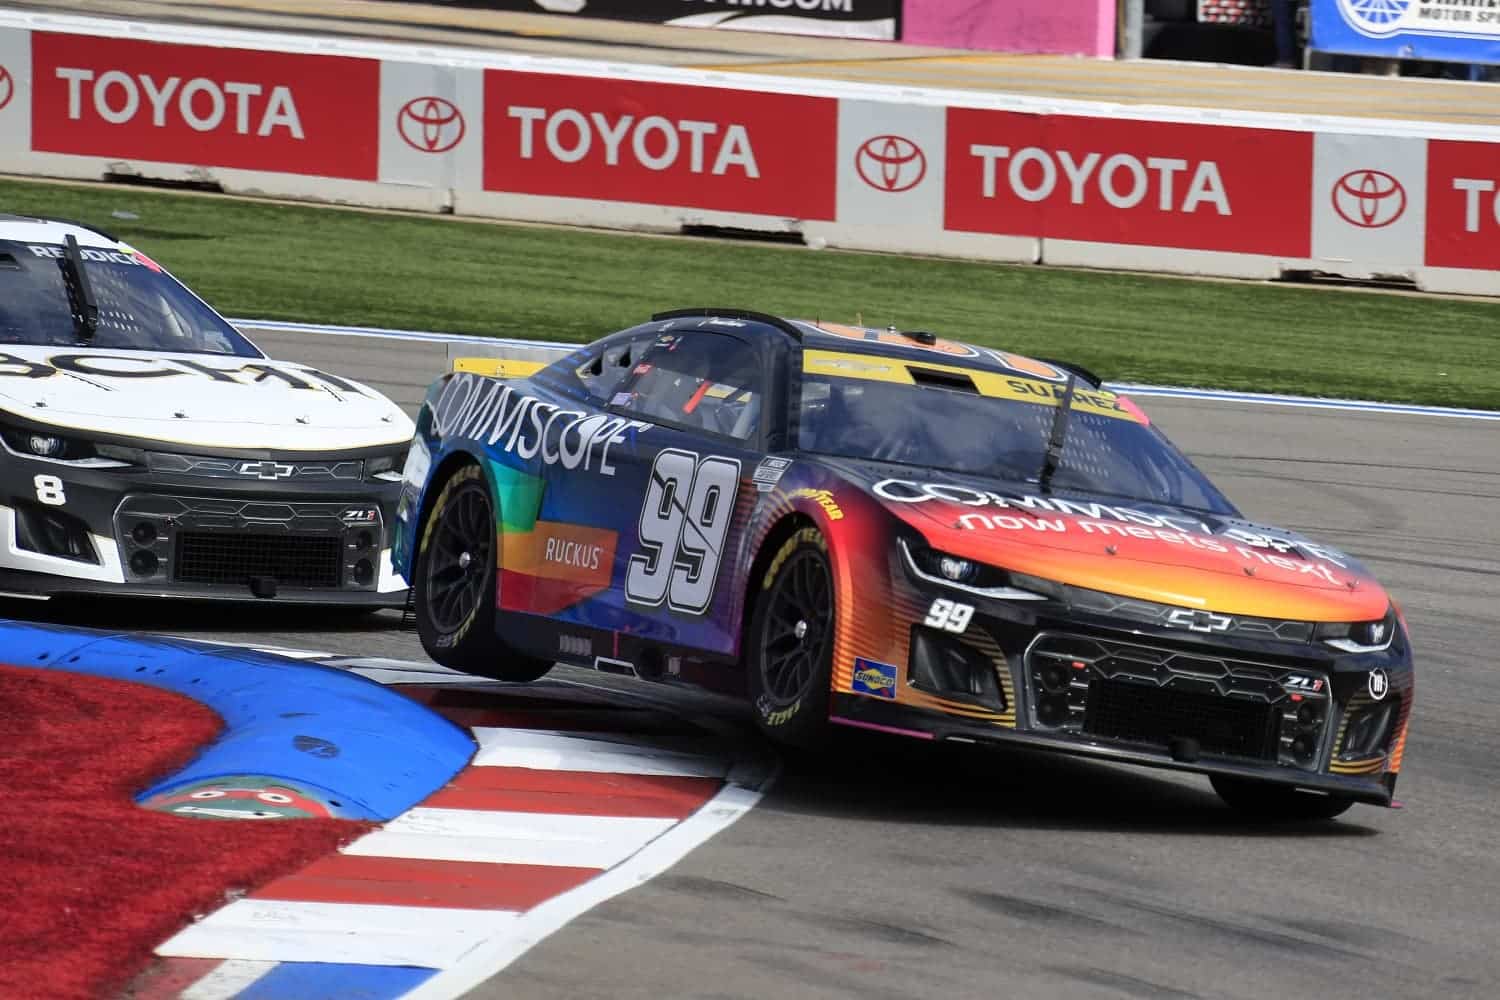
1369, 199
891, 163
430, 124
7, 87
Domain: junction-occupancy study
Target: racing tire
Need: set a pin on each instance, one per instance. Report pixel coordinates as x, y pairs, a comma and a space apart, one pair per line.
1268, 802
455, 584
790, 648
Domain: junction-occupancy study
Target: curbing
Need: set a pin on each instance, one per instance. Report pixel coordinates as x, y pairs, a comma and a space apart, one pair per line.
367, 751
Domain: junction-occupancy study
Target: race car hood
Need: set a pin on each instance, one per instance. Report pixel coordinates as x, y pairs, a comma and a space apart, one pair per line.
1151, 552
195, 399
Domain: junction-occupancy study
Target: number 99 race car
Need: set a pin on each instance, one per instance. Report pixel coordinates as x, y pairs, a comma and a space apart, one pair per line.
897, 532
147, 448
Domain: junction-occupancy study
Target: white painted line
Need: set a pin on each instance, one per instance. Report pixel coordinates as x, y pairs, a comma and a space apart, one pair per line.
387, 663
294, 654
226, 980
382, 333
1207, 395
602, 739
291, 654
395, 677
501, 949
263, 930
517, 838
1315, 402
556, 752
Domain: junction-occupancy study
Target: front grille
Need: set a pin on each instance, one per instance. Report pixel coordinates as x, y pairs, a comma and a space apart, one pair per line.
312, 561
239, 469
1141, 713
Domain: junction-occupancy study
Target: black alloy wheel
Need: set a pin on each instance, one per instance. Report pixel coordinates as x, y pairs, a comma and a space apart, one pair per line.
791, 642
454, 592
457, 561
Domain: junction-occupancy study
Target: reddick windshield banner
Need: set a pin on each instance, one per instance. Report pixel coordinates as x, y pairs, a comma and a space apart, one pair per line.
1465, 31
841, 18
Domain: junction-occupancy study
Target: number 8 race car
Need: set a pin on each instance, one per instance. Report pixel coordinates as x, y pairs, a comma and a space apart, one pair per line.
147, 448
897, 532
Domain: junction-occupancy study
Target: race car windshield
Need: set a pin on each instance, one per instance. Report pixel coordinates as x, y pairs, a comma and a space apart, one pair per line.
961, 431
141, 307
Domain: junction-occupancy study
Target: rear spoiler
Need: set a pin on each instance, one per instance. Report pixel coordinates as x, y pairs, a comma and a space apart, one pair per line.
504, 358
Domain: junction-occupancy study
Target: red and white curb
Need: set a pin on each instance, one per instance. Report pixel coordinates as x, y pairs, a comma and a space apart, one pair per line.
550, 818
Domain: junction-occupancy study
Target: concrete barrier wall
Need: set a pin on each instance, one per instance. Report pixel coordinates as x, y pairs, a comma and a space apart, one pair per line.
955, 173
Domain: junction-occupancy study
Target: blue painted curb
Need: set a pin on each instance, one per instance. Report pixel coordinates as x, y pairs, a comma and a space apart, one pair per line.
369, 752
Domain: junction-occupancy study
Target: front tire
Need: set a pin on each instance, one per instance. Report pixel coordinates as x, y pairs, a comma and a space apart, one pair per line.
791, 642
455, 584
1269, 802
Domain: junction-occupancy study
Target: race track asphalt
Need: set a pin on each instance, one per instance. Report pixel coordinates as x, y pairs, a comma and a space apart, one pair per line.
890, 869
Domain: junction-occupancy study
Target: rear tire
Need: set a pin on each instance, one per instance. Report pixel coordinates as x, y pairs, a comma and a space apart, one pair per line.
1269, 802
455, 584
790, 647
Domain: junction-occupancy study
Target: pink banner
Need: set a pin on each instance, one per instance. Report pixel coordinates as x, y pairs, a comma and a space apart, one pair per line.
1067, 27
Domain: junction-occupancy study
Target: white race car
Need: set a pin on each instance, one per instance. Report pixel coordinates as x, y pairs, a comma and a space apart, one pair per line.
148, 448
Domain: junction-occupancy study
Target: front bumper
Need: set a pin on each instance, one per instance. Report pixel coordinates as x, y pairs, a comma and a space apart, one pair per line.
1053, 675
923, 723
133, 532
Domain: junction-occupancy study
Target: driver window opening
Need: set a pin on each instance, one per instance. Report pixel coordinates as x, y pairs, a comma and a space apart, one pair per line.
700, 380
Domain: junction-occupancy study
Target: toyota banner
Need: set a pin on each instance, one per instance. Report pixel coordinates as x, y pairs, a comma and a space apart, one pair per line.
1462, 31
642, 148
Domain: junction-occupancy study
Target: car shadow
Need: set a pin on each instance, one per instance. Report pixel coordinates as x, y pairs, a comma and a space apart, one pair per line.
883, 779
192, 618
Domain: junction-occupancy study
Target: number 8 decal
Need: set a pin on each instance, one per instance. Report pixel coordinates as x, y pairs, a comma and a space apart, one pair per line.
50, 491
683, 523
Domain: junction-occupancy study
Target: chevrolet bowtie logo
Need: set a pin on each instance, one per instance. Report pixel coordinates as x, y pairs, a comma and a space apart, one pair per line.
1199, 621
265, 470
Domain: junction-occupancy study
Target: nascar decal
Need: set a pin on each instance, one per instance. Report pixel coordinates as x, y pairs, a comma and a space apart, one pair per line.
991, 384
484, 409
683, 523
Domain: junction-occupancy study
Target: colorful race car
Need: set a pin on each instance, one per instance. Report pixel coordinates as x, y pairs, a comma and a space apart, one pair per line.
893, 531
147, 448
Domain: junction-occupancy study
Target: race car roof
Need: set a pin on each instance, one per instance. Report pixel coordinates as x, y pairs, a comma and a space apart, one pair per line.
26, 229
906, 345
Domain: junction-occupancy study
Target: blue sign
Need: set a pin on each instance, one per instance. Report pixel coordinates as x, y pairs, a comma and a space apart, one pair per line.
1461, 31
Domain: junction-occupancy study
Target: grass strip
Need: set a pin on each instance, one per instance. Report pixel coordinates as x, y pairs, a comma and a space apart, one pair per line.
316, 264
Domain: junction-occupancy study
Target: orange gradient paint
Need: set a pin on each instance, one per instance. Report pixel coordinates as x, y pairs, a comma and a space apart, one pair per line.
1154, 564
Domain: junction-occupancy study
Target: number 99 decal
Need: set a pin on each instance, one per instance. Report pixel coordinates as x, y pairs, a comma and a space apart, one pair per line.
683, 523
